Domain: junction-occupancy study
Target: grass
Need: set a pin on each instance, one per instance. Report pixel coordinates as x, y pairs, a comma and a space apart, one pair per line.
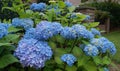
115, 38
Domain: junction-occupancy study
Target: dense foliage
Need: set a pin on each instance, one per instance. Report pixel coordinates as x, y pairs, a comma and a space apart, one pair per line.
52, 38
113, 8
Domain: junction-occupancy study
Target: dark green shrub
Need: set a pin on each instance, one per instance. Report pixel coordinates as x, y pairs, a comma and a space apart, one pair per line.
6, 13
113, 8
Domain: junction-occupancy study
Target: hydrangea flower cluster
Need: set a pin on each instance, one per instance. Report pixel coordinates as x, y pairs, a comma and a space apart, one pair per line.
76, 31
24, 23
33, 53
91, 50
46, 30
103, 45
68, 4
69, 59
3, 29
38, 7
95, 31
87, 17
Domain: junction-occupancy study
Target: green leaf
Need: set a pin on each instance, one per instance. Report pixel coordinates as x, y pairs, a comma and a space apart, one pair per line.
97, 60
106, 60
14, 38
94, 24
71, 68
13, 29
71, 9
58, 70
5, 44
58, 60
7, 60
90, 66
77, 51
82, 60
61, 4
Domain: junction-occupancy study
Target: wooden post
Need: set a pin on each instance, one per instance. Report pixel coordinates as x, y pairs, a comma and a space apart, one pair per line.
107, 25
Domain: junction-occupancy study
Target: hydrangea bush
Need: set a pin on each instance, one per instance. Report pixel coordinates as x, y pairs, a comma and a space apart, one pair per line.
53, 38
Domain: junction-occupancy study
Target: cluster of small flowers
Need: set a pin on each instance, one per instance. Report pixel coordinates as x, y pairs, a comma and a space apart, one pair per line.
38, 7
24, 23
33, 50
99, 45
3, 29
76, 31
33, 53
68, 4
69, 59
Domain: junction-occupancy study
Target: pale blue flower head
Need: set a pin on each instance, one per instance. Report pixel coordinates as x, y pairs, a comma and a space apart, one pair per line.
95, 31
69, 59
38, 7
68, 4
68, 33
24, 23
106, 69
91, 50
87, 17
33, 53
30, 33
3, 29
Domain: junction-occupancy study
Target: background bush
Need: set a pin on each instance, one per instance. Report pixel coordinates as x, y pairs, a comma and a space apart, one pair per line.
6, 13
113, 8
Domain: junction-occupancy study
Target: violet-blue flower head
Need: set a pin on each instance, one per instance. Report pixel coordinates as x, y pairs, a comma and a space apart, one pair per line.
33, 53
69, 59
68, 33
30, 33
95, 31
3, 30
91, 50
24, 23
38, 7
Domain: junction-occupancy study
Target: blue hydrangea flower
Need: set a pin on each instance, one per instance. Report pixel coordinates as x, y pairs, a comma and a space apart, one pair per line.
82, 32
103, 45
91, 50
46, 30
33, 53
106, 69
95, 31
38, 7
30, 33
68, 33
24, 23
112, 48
17, 22
43, 30
68, 4
69, 59
87, 17
3, 30
27, 23
56, 27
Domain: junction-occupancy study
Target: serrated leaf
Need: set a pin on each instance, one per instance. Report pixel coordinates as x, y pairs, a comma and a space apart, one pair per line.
71, 9
106, 60
13, 29
90, 66
61, 4
7, 60
97, 60
76, 51
94, 24
58, 70
58, 60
